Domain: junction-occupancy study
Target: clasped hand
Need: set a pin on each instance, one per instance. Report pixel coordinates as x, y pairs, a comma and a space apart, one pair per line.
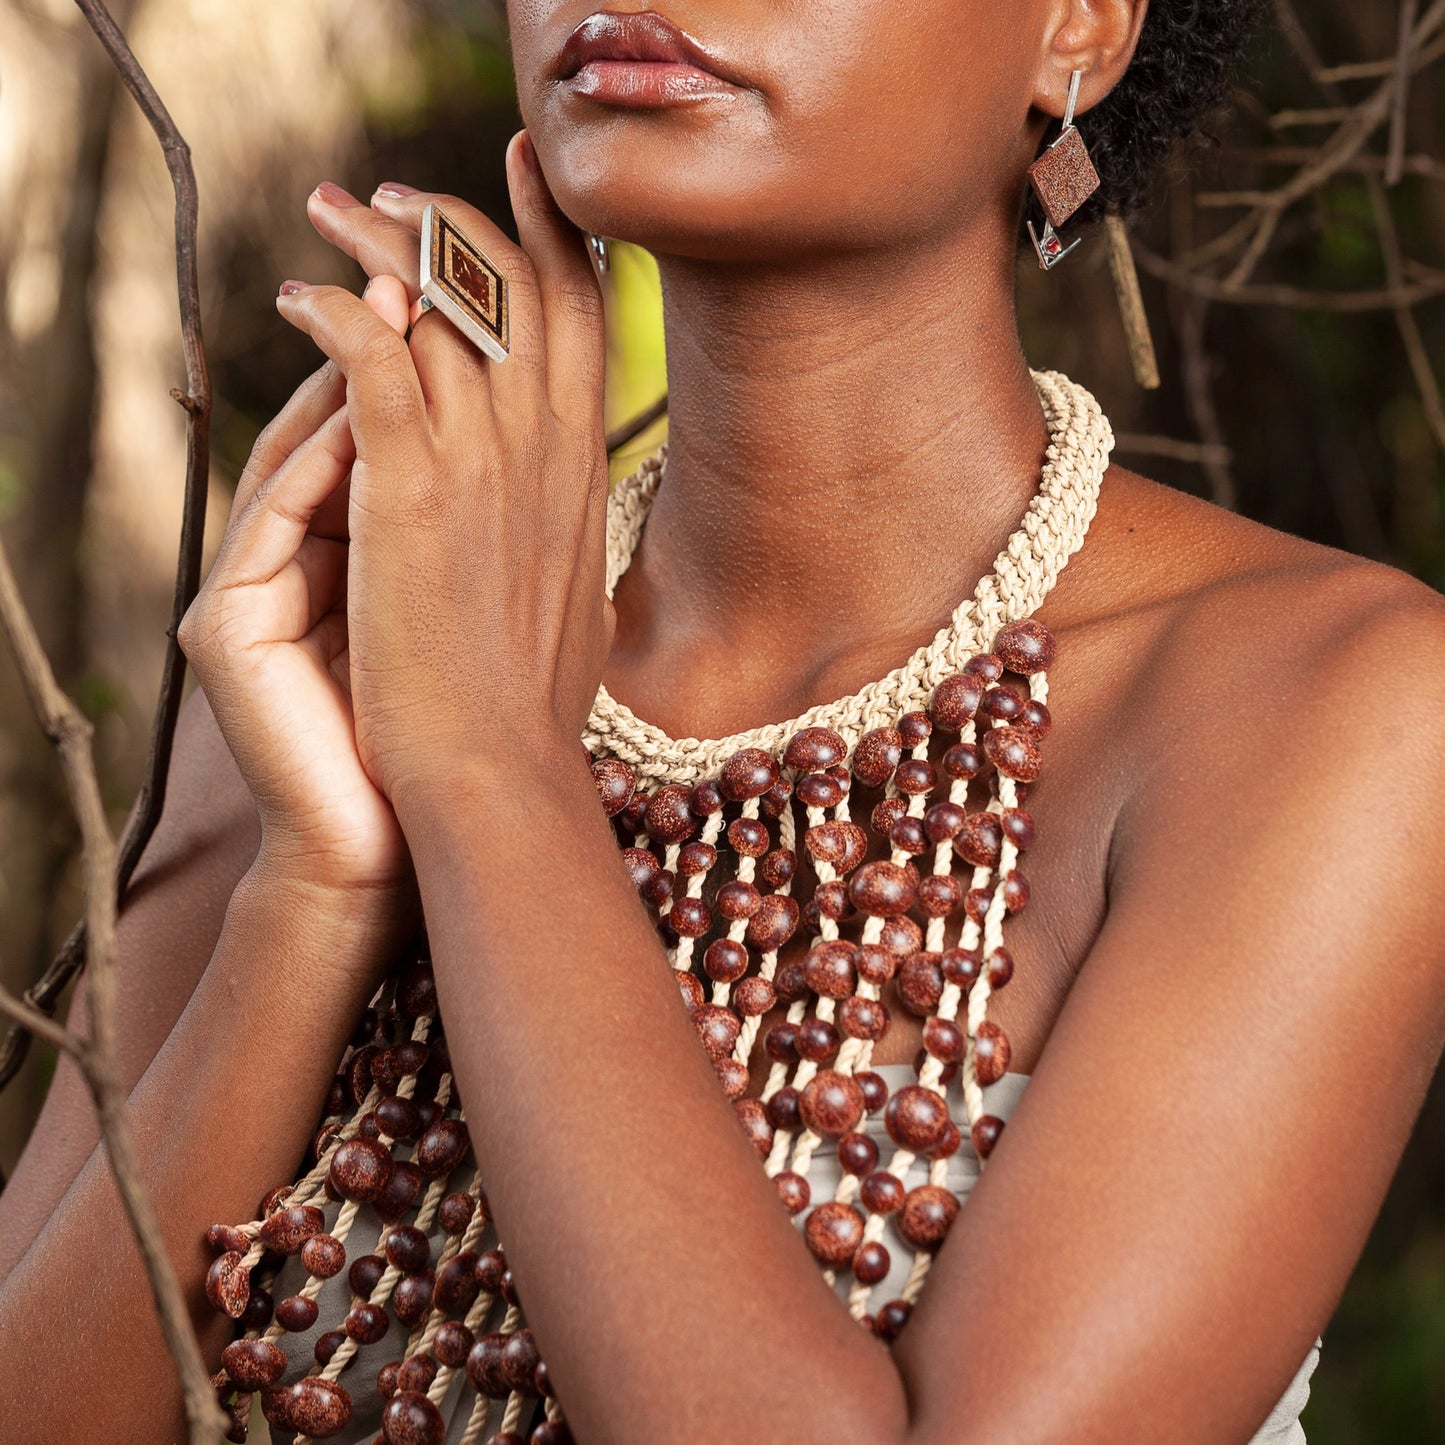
412, 578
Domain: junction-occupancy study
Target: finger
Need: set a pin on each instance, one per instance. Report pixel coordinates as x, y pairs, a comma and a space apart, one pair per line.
309, 586
446, 360
571, 297
309, 405
380, 245
266, 533
384, 398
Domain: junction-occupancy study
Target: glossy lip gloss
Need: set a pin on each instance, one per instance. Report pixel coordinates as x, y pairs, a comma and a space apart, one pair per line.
638, 60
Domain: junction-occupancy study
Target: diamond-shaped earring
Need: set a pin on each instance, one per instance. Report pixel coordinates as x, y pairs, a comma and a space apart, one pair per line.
1063, 178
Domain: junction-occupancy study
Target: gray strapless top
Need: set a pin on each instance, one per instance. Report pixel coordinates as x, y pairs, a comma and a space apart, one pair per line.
1282, 1427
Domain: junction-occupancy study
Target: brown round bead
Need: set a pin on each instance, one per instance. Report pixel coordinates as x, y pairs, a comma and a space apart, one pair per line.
365, 1322
818, 1040
689, 987
1003, 702
781, 1042
455, 1212
991, 1053
413, 1296
963, 761
551, 1432
863, 1018
694, 859
818, 790
276, 1199
891, 1319
1025, 646
882, 1192
253, 1364
985, 1134
411, 1419
886, 813
774, 923
453, 1344
833, 1232
691, 917
484, 1366
981, 840
365, 1272
943, 821
669, 819
829, 968
1019, 826
317, 1407
327, 1345
323, 1255
883, 888
754, 1119
871, 1264
875, 963
296, 1313
927, 1213
399, 1117
492, 1270
779, 866
915, 776
223, 1239
915, 1118
408, 1248
416, 1373
940, 894
952, 1138
793, 1190
901, 936
457, 1284
749, 837
858, 1153
442, 1148
754, 996
718, 1028
615, 784
1015, 891
976, 902
915, 728
733, 1076
986, 665
955, 700
228, 1283
877, 754
1000, 967
392, 1065
814, 748
519, 1362
909, 835
359, 1170
920, 983
1035, 716
1014, 751
875, 1090
736, 900
706, 799
944, 1040
789, 981
642, 866
782, 1109
725, 960
831, 1103
258, 1312
749, 773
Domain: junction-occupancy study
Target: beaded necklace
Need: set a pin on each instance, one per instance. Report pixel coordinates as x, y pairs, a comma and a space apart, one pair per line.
709, 832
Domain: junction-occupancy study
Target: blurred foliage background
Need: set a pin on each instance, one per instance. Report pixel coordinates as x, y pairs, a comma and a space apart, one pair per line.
1320, 419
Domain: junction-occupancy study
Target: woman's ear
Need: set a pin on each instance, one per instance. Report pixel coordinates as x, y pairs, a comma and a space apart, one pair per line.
1095, 36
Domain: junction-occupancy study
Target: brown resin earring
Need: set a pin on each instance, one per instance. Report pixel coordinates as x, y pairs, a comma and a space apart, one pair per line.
1063, 178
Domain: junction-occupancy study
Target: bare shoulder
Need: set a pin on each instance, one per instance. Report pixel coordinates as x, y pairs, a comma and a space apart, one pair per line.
1225, 618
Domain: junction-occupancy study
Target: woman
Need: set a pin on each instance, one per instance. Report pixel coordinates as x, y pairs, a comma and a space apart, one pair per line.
1229, 996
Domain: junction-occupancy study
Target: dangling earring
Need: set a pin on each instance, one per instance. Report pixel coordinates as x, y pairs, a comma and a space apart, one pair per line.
598, 246
1063, 178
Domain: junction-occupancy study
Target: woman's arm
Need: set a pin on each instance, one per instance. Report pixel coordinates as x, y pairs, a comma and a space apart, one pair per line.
225, 1109
1177, 1202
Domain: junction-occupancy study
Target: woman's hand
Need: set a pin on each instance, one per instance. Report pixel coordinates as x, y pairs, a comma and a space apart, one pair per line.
266, 636
477, 618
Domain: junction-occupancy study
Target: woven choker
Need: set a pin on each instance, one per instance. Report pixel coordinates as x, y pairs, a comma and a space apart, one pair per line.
808, 878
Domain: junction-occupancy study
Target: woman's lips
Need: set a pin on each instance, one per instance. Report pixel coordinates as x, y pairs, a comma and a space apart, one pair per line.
639, 59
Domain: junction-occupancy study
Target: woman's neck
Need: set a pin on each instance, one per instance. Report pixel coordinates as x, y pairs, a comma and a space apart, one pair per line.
850, 444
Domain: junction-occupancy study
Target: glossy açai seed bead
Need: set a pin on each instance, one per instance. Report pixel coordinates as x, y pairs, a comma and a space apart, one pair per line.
876, 756
1025, 646
833, 1232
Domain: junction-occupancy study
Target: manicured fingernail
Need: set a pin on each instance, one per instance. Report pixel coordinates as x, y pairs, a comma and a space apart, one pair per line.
395, 190
333, 195
290, 288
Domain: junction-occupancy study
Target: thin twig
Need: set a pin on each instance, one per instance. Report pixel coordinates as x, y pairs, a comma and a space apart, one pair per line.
1395, 155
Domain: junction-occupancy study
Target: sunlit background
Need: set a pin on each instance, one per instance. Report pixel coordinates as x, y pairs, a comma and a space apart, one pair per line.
1313, 420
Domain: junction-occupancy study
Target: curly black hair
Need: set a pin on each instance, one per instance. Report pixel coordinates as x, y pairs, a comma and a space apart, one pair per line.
1187, 51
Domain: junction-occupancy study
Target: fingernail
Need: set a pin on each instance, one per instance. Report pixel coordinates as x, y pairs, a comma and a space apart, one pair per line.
395, 190
333, 195
529, 153
290, 288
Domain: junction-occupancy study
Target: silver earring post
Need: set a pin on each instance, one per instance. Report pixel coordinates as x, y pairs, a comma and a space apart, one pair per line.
598, 246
